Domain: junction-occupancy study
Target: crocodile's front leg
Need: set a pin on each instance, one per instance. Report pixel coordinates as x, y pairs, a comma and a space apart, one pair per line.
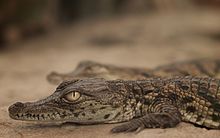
163, 115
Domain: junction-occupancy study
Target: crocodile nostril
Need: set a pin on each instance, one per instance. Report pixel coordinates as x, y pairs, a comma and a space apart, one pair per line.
15, 108
19, 104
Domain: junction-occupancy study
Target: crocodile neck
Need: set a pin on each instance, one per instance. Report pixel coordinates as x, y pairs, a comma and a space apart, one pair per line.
137, 96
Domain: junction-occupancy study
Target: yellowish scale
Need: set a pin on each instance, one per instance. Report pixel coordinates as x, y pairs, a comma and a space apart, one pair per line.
202, 102
206, 108
210, 112
193, 118
187, 116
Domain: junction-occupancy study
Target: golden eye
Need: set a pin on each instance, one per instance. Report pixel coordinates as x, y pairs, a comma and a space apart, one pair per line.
72, 96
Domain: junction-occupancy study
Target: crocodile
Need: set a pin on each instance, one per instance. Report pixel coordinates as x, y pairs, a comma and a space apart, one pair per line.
91, 69
160, 102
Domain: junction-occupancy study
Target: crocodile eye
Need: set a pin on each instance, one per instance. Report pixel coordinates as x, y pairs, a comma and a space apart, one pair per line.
72, 96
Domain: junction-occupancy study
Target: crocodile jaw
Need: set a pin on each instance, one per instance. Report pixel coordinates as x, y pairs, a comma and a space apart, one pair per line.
44, 113
31, 112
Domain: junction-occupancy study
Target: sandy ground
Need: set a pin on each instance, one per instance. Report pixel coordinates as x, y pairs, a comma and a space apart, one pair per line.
137, 41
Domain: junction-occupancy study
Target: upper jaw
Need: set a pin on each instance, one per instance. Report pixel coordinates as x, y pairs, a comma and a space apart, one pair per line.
30, 112
15, 109
46, 113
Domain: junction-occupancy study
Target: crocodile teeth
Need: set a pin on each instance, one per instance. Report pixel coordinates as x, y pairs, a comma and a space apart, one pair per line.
29, 116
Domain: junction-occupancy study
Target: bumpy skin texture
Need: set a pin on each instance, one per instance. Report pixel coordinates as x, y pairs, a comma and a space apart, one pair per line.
150, 103
90, 69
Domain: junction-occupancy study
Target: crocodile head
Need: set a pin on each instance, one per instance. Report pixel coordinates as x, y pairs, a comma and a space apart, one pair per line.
87, 101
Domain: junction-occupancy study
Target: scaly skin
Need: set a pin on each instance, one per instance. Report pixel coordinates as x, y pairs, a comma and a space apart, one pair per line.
90, 69
150, 103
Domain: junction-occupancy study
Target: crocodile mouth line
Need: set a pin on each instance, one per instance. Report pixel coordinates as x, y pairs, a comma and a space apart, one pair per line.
38, 117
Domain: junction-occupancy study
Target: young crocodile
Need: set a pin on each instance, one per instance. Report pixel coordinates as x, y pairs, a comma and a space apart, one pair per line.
150, 103
90, 69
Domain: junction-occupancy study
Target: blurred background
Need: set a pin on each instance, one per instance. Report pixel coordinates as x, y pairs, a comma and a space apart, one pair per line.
21, 20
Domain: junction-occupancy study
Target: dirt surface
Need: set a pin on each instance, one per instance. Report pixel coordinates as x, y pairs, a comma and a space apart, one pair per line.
137, 41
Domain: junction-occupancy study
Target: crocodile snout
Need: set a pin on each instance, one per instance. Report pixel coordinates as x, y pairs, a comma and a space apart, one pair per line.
15, 108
